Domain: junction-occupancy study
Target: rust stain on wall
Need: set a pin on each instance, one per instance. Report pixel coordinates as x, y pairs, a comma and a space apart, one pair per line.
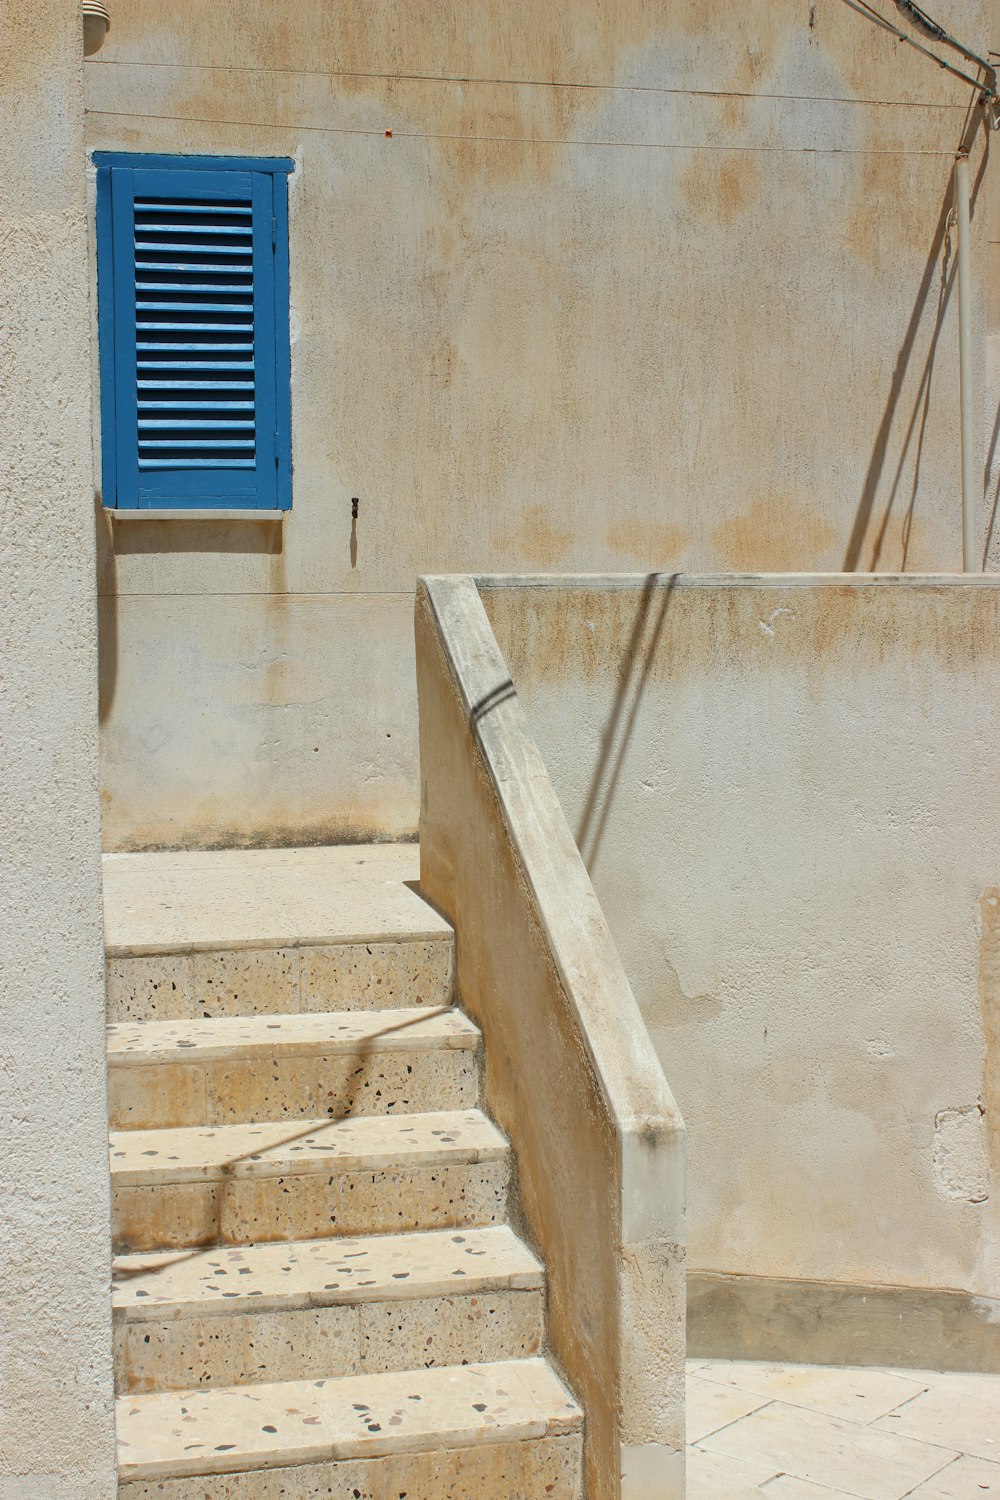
721, 189
775, 535
581, 633
989, 1001
539, 539
647, 541
278, 829
501, 38
890, 211
756, 60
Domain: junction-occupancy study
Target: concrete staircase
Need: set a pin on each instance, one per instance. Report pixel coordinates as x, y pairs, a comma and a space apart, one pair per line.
317, 1290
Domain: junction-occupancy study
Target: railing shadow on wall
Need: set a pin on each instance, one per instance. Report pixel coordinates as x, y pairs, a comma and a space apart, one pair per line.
991, 454
637, 662
871, 484
571, 1075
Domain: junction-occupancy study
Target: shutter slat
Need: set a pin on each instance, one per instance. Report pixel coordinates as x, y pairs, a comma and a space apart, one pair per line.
162, 206
203, 248
145, 405
212, 233
201, 463
208, 346
162, 388
148, 366
187, 266
190, 424
194, 307
149, 326
182, 443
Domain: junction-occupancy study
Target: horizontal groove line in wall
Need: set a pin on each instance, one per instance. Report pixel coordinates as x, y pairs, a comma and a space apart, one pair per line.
529, 83
293, 128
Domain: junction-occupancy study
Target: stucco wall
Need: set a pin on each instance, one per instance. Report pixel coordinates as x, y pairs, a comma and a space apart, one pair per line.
783, 790
56, 1428
655, 284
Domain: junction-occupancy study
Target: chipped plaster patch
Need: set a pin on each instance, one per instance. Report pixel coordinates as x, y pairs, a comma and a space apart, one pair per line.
767, 626
961, 1168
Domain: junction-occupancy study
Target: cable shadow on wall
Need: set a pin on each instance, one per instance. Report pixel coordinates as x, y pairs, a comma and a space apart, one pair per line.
921, 411
637, 663
987, 471
921, 405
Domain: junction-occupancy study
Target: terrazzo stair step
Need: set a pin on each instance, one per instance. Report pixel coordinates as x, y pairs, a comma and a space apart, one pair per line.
218, 980
266, 1067
506, 1429
311, 1309
306, 1179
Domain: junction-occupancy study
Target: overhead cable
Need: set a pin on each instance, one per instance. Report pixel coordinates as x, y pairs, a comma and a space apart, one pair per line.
925, 23
987, 87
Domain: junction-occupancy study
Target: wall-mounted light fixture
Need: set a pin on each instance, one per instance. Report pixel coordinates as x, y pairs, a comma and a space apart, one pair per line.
96, 25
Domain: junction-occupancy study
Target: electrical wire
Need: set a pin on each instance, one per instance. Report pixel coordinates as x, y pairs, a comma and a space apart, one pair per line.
922, 21
987, 89
926, 24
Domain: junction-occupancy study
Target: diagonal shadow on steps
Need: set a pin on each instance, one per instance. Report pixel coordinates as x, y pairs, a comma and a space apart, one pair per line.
367, 1052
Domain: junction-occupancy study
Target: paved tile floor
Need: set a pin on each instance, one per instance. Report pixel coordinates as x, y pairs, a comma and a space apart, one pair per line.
809, 1432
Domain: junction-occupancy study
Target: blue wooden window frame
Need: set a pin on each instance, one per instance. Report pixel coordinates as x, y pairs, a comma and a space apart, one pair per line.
265, 481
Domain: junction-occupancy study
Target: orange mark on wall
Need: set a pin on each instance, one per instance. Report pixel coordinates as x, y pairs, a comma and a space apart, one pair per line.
779, 533
721, 189
650, 543
583, 634
538, 541
989, 1001
894, 208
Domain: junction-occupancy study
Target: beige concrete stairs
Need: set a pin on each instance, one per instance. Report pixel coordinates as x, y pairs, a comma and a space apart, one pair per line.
317, 1292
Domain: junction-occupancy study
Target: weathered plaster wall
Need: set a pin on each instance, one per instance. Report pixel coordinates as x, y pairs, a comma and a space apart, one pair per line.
56, 1428
656, 284
783, 790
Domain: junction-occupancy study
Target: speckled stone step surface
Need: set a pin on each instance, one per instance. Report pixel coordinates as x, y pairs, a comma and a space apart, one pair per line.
275, 1426
278, 1148
318, 1295
235, 932
404, 1030
320, 1273
304, 1179
324, 1307
246, 1068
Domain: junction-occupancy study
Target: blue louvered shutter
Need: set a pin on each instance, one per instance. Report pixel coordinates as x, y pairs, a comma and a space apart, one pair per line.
196, 314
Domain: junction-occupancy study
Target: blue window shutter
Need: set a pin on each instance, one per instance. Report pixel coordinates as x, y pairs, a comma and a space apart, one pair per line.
193, 315
106, 337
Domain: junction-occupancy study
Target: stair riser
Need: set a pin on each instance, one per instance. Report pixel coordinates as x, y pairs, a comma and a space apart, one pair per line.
241, 1211
240, 982
296, 1086
535, 1469
320, 1342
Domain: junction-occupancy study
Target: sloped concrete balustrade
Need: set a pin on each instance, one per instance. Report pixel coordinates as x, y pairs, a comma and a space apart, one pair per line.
571, 1075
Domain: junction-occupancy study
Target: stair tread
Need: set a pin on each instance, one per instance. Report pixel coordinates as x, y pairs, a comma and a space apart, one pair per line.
291, 1148
322, 1273
409, 1029
228, 1429
167, 901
